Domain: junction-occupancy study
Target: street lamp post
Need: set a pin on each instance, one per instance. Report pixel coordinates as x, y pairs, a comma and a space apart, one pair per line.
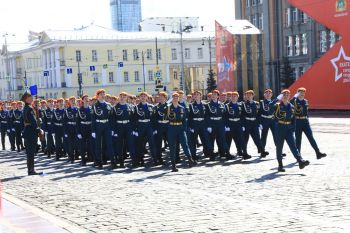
182, 80
5, 35
143, 70
80, 80
210, 50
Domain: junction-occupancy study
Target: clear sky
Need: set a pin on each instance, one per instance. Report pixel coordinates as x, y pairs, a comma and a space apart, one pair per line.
19, 16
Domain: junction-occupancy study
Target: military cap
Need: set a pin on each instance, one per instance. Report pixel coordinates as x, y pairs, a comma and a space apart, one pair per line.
235, 93
162, 93
216, 92
285, 91
249, 92
197, 92
268, 90
25, 95
175, 94
303, 89
99, 91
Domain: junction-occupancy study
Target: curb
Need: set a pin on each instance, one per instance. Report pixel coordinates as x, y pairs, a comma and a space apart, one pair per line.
42, 214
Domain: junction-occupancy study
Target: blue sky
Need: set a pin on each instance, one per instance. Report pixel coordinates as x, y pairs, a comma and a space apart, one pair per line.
19, 16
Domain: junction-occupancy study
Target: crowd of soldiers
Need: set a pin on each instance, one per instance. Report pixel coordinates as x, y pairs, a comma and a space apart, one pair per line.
109, 129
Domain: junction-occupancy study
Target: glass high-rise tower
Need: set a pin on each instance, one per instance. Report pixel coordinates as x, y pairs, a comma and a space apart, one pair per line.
126, 15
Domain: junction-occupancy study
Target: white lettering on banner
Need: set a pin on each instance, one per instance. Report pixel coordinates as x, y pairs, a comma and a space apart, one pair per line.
341, 65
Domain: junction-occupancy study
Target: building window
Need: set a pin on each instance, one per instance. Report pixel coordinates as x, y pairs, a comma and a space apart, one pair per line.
94, 55
135, 54
149, 54
125, 55
111, 77
254, 2
302, 17
254, 20
187, 53
296, 45
150, 75
260, 1
323, 41
304, 43
175, 75
301, 71
332, 39
78, 55
261, 25
137, 76
95, 76
288, 10
159, 51
295, 15
248, 3
173, 54
289, 46
126, 76
200, 53
110, 55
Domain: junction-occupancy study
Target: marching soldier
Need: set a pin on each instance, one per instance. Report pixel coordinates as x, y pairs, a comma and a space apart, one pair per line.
30, 132
70, 123
216, 126
284, 131
234, 125
3, 123
84, 122
58, 116
267, 121
197, 126
123, 121
250, 110
18, 125
102, 128
161, 124
42, 109
301, 106
144, 130
177, 131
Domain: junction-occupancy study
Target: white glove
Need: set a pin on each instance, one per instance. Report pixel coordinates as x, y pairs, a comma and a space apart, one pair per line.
227, 129
93, 135
191, 130
115, 135
280, 96
13, 129
136, 134
209, 129
66, 136
261, 127
297, 95
112, 133
79, 136
46, 134
41, 131
243, 128
155, 132
8, 131
53, 135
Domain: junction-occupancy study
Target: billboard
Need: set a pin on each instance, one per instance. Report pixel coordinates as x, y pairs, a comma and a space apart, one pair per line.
328, 80
224, 58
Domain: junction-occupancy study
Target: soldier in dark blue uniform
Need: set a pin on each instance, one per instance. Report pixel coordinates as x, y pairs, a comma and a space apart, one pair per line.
198, 126
47, 126
301, 106
215, 113
11, 129
84, 130
144, 129
30, 132
177, 131
58, 116
123, 120
3, 123
250, 111
266, 118
18, 125
161, 123
284, 131
102, 128
234, 125
70, 131
42, 109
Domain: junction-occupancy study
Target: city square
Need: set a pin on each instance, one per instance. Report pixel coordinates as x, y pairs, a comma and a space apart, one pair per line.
221, 196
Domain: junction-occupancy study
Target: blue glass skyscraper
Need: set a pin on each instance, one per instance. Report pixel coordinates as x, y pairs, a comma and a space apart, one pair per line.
126, 15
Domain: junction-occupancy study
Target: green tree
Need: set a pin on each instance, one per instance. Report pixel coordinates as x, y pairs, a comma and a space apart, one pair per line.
211, 81
287, 74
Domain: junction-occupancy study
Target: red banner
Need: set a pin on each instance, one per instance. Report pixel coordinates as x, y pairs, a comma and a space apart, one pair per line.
328, 80
224, 58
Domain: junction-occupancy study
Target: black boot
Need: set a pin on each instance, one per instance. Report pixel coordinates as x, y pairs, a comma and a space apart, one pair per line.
191, 162
122, 164
113, 165
320, 155
264, 154
173, 167
246, 156
280, 166
303, 163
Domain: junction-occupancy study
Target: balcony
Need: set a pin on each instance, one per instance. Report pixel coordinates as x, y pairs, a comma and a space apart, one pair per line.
62, 63
63, 84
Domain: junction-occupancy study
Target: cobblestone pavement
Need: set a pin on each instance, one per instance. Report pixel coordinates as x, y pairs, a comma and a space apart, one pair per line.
221, 196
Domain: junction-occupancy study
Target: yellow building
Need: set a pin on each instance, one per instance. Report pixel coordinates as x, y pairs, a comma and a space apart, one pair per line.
116, 61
